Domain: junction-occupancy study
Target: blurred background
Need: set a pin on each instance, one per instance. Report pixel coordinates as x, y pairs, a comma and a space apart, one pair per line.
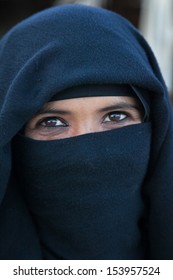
154, 18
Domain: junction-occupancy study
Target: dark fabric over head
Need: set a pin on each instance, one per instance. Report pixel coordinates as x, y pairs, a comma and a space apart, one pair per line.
66, 47
94, 90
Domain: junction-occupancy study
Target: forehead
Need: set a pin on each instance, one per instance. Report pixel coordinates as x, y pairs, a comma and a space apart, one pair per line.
91, 102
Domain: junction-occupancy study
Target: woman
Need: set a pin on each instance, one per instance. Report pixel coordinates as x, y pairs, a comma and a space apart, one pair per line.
86, 140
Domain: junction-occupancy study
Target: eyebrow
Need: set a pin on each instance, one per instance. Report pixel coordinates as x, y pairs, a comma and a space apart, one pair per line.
118, 106
45, 110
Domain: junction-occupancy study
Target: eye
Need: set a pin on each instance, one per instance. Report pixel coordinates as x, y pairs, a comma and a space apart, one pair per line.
115, 117
52, 122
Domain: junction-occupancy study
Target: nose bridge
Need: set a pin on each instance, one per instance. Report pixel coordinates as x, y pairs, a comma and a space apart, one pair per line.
87, 126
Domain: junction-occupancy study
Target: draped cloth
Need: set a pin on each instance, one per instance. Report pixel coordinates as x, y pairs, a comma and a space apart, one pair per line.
84, 193
69, 46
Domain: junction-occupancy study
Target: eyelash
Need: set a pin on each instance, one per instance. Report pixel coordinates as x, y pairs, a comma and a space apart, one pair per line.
117, 113
65, 124
40, 123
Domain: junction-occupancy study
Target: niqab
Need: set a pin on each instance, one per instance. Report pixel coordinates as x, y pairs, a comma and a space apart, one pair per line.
65, 47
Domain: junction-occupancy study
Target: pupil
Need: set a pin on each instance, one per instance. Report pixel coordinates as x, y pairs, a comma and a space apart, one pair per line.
115, 117
51, 122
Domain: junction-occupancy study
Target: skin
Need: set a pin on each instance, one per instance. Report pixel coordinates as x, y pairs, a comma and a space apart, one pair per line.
73, 117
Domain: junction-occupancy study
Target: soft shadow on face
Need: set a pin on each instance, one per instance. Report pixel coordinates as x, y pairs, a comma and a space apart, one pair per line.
77, 116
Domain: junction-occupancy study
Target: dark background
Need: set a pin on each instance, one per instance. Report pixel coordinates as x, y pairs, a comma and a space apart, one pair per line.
13, 11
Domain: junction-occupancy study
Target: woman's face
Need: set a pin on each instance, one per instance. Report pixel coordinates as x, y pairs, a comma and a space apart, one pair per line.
72, 117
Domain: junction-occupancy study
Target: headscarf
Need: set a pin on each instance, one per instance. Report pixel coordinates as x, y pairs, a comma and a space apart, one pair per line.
66, 47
